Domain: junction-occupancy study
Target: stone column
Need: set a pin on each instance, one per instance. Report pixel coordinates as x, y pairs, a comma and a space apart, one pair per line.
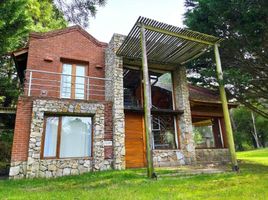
185, 121
98, 139
114, 92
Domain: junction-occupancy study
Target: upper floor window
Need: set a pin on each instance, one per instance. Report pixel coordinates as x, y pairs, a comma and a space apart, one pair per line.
73, 81
161, 90
132, 88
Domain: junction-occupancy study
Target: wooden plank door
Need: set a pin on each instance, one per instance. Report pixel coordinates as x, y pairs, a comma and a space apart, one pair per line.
134, 140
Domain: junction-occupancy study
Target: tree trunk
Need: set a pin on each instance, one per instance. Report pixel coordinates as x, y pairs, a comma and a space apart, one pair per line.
255, 135
232, 120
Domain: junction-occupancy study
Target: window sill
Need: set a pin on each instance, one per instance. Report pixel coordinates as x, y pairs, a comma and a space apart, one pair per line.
210, 148
166, 149
68, 158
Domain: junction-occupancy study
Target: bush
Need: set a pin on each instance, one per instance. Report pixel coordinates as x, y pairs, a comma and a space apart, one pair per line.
6, 138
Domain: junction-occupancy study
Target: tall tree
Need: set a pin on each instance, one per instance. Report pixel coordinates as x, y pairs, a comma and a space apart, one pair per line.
79, 11
17, 19
245, 132
13, 27
244, 25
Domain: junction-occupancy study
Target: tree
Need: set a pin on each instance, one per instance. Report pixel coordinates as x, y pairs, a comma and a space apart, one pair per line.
244, 25
13, 27
17, 19
244, 133
79, 11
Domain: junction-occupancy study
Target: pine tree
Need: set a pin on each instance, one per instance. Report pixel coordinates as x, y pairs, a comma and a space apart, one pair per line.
244, 53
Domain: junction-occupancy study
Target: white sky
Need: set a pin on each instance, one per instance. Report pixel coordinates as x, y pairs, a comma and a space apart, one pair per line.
118, 16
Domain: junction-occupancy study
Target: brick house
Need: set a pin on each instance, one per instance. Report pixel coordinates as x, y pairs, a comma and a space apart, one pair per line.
82, 110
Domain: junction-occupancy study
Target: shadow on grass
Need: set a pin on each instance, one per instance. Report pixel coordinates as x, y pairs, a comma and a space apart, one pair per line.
252, 167
115, 179
91, 180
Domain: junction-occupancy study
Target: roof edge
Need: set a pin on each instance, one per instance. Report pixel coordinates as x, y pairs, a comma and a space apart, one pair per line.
230, 104
53, 33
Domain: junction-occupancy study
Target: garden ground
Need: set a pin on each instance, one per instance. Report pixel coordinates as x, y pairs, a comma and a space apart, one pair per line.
250, 183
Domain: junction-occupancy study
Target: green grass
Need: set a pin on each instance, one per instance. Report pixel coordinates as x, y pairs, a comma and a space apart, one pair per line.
256, 156
250, 183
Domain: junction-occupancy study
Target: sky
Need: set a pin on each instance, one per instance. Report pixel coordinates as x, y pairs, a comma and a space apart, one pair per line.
119, 16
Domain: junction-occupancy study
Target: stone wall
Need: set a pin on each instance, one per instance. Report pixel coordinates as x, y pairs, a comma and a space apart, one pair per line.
185, 120
114, 92
204, 156
37, 167
168, 158
18, 169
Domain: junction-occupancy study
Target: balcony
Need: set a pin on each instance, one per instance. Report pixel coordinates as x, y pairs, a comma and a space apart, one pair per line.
66, 86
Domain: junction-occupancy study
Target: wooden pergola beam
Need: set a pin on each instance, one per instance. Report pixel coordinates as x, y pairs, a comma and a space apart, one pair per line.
227, 121
183, 46
183, 36
147, 105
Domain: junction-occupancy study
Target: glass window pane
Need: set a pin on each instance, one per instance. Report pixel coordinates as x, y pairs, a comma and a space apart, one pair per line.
161, 89
80, 83
164, 132
51, 136
203, 133
75, 137
66, 81
132, 88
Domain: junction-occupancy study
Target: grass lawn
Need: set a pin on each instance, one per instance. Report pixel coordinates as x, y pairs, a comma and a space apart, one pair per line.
250, 183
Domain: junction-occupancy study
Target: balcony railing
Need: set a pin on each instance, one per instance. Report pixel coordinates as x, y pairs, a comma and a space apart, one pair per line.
59, 85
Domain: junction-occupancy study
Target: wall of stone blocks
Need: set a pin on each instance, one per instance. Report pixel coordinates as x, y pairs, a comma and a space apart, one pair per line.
168, 158
185, 121
34, 166
114, 92
220, 156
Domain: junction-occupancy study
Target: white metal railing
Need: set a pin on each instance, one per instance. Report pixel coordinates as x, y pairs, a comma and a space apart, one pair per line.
53, 84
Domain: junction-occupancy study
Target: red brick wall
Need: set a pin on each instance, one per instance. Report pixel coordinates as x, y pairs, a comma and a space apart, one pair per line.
71, 46
22, 130
108, 135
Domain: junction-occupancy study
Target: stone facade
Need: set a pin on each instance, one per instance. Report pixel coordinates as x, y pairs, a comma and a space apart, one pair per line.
185, 120
18, 169
37, 167
114, 93
168, 158
220, 156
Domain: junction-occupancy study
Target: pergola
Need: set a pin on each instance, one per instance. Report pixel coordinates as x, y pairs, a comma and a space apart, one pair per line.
155, 42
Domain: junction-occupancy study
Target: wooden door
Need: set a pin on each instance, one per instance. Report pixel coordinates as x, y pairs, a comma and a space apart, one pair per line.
134, 140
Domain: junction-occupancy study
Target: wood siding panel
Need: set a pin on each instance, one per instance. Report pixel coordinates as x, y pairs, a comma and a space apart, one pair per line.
134, 141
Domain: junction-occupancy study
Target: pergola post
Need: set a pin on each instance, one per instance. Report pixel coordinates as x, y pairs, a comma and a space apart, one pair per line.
229, 131
147, 105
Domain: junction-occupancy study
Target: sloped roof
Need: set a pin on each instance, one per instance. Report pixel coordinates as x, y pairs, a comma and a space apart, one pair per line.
205, 96
68, 30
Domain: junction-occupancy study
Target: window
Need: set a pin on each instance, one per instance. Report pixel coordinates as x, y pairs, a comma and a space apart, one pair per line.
207, 133
67, 136
163, 129
73, 81
164, 125
161, 89
132, 88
